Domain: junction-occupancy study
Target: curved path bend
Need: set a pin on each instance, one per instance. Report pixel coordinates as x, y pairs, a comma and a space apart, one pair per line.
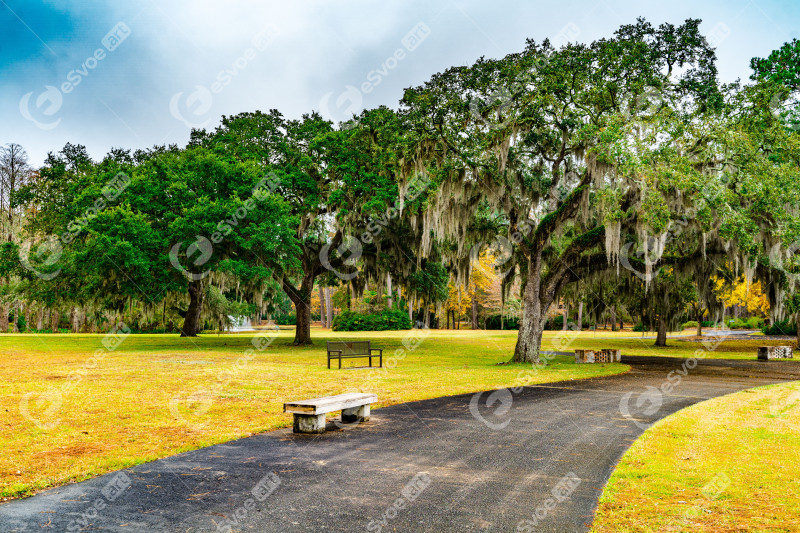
531, 460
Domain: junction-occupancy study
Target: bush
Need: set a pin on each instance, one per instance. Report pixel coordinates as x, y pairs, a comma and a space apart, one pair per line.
750, 323
509, 322
690, 324
708, 324
555, 323
383, 321
639, 328
286, 320
783, 327
755, 322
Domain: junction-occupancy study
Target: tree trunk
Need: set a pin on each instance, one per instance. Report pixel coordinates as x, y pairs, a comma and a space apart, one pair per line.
39, 319
427, 315
474, 313
191, 324
700, 314
389, 300
301, 298
614, 318
55, 316
329, 306
661, 338
534, 316
322, 314
797, 325
27, 315
4, 310
76, 320
411, 312
302, 333
566, 317
580, 316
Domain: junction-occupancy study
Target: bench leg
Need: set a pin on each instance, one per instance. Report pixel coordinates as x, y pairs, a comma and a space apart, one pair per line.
370, 361
340, 362
309, 423
356, 414
329, 362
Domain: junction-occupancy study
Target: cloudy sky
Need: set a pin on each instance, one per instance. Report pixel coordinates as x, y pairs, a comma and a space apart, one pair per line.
138, 73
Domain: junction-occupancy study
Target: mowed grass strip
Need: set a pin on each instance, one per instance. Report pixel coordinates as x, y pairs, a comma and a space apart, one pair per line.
732, 347
67, 417
731, 464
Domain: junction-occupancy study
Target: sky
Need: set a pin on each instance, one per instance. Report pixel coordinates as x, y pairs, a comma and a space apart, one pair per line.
134, 74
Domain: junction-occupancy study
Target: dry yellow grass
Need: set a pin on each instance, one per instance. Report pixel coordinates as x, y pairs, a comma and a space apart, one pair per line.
67, 416
731, 464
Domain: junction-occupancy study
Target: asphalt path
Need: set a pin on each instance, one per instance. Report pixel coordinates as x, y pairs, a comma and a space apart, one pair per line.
530, 459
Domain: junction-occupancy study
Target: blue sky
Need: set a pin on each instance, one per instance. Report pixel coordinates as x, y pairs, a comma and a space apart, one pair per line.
138, 73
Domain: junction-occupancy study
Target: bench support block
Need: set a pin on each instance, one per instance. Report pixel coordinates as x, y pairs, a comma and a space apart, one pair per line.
309, 423
356, 414
766, 353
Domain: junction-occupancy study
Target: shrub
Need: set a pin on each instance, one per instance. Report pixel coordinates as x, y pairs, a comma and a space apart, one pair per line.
751, 323
509, 322
639, 328
386, 320
555, 323
690, 324
708, 324
738, 323
755, 322
286, 320
783, 327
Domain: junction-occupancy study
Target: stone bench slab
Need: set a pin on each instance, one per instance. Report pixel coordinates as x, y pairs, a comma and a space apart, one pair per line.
309, 415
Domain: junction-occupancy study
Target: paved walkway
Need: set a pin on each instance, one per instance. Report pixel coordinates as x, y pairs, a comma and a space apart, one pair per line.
534, 460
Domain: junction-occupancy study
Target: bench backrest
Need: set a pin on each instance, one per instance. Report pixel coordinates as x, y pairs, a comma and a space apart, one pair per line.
349, 347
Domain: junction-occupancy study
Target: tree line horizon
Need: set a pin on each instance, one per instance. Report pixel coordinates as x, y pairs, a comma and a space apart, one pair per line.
618, 170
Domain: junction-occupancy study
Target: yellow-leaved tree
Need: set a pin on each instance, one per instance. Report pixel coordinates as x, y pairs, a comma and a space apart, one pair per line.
483, 290
740, 293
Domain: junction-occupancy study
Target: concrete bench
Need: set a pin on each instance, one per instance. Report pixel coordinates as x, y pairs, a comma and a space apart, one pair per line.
309, 415
598, 356
352, 349
765, 353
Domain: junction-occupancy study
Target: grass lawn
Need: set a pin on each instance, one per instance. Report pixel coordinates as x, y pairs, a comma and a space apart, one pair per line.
633, 344
67, 416
730, 464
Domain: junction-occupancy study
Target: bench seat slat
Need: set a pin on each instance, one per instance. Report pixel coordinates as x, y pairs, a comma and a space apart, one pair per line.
327, 404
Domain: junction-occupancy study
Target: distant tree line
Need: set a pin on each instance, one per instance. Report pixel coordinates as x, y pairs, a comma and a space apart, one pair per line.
594, 174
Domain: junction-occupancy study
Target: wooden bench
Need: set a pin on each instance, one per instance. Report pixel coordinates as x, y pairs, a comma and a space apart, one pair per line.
353, 349
309, 415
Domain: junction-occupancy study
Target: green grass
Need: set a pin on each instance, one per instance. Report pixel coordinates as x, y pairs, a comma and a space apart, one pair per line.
633, 344
730, 464
67, 417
